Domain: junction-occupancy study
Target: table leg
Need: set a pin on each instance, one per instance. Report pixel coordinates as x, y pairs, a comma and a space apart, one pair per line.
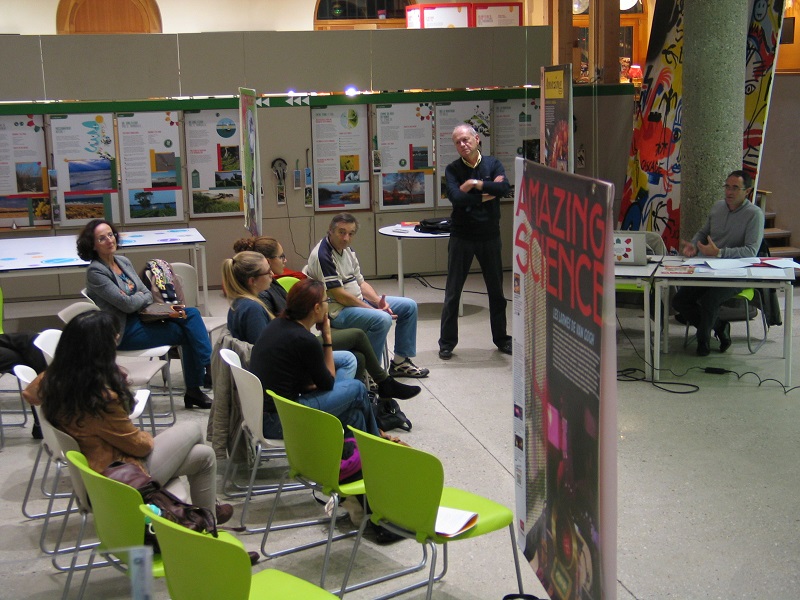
787, 331
648, 364
657, 336
400, 283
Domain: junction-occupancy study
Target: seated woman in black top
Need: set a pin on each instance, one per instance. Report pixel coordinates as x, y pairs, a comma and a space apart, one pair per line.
289, 360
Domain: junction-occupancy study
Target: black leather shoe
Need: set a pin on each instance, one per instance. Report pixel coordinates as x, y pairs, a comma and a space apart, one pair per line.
391, 388
505, 347
724, 337
195, 397
224, 513
445, 354
254, 558
703, 349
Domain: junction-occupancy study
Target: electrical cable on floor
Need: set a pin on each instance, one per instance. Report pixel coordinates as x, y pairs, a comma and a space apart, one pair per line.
631, 373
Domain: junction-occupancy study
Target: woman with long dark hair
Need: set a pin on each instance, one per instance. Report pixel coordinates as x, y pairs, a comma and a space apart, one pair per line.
112, 283
83, 392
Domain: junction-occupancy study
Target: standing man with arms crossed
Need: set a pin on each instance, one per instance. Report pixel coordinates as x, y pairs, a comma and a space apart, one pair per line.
475, 184
734, 229
354, 302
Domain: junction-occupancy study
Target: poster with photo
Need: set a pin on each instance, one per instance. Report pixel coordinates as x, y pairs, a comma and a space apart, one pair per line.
341, 157
85, 164
213, 162
24, 185
249, 161
405, 153
150, 159
557, 138
515, 132
565, 389
448, 116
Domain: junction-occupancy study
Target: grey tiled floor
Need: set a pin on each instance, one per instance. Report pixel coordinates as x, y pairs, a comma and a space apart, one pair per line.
707, 480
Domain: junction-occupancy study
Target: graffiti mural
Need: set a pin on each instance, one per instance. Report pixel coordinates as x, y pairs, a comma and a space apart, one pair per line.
651, 196
763, 34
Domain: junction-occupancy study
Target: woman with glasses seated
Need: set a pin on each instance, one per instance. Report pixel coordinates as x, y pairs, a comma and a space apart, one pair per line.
112, 283
352, 340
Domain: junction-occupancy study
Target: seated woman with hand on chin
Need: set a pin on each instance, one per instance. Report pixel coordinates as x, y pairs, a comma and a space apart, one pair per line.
354, 340
112, 283
84, 394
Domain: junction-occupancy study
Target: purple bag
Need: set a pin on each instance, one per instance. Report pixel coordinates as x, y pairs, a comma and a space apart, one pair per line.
351, 461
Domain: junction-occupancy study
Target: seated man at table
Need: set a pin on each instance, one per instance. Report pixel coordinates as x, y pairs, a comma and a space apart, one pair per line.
734, 229
354, 303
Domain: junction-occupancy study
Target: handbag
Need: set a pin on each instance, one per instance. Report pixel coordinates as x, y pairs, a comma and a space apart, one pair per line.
172, 508
388, 414
434, 225
168, 301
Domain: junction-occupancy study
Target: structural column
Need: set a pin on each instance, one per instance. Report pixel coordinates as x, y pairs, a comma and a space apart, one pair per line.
714, 47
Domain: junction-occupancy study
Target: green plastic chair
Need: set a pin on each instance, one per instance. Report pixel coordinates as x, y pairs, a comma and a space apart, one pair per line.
117, 520
314, 441
287, 282
199, 566
405, 488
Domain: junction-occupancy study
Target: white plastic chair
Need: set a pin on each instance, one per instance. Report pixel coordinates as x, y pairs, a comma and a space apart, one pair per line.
251, 398
189, 283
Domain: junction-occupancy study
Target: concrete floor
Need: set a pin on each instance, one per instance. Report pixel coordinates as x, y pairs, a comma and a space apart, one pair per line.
707, 490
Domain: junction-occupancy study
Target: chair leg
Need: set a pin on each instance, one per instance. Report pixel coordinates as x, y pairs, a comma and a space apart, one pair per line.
760, 341
516, 556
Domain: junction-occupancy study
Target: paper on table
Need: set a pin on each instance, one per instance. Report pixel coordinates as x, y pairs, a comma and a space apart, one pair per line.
767, 273
782, 263
720, 263
451, 522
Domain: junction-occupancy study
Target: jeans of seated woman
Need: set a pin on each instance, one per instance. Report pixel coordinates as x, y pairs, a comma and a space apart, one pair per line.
189, 333
348, 400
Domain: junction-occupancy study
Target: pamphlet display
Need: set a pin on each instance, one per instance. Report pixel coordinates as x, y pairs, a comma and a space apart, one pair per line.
405, 152
448, 115
558, 140
341, 157
433, 16
150, 153
212, 162
564, 372
515, 132
24, 185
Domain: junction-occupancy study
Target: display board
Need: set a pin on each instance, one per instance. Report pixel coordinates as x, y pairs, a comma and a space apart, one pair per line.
558, 138
565, 381
448, 115
213, 163
341, 157
24, 184
405, 151
150, 159
515, 132
501, 14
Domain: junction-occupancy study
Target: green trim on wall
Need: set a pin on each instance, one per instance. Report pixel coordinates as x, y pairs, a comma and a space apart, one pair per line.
165, 104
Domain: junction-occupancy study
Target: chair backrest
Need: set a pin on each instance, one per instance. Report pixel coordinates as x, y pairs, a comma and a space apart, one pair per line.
25, 375
287, 282
403, 485
320, 460
117, 519
655, 242
75, 309
199, 566
251, 398
188, 276
140, 399
47, 342
230, 357
59, 443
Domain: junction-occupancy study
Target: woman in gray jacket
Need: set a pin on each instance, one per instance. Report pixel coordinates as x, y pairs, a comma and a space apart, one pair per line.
112, 283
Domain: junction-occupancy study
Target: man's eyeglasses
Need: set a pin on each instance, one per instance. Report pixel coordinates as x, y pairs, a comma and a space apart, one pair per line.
732, 187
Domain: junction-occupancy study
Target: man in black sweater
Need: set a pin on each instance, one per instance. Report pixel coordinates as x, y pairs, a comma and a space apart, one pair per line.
475, 184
